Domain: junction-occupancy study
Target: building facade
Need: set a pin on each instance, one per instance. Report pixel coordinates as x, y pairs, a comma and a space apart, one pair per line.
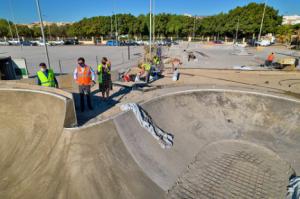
291, 20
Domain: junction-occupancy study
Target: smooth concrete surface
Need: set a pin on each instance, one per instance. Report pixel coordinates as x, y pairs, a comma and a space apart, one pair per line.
31, 125
116, 158
70, 117
198, 118
41, 159
101, 167
223, 56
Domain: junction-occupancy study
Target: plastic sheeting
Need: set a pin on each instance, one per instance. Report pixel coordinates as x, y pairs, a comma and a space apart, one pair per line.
294, 188
165, 139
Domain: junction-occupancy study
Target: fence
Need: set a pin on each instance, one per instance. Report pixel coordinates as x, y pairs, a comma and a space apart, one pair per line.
64, 59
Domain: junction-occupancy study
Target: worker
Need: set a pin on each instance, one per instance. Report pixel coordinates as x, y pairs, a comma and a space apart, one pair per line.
104, 77
270, 59
156, 60
175, 64
85, 77
46, 77
108, 63
147, 69
159, 52
191, 55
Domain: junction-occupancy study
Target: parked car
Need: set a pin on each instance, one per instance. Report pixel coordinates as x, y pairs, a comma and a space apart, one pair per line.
71, 42
112, 43
4, 43
59, 42
56, 43
251, 42
218, 42
263, 43
122, 43
28, 43
35, 43
14, 42
175, 43
140, 42
145, 42
131, 43
41, 43
166, 42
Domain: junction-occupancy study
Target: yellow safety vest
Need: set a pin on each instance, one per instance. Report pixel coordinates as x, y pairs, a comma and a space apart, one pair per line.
100, 73
46, 81
147, 66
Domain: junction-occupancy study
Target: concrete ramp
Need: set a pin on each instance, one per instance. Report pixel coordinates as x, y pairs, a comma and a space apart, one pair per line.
224, 141
41, 159
31, 126
228, 144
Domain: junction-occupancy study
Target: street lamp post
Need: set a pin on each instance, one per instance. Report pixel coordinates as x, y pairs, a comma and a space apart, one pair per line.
42, 30
111, 27
262, 21
237, 30
49, 29
10, 31
116, 27
194, 28
15, 25
153, 16
150, 31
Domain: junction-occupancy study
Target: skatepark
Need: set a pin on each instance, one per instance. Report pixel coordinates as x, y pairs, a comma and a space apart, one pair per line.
149, 100
233, 136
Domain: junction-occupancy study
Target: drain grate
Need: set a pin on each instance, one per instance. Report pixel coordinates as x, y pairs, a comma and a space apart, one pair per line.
233, 169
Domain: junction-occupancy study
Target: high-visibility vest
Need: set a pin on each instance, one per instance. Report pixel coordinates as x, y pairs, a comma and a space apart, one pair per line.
84, 75
100, 72
46, 81
156, 60
271, 57
147, 66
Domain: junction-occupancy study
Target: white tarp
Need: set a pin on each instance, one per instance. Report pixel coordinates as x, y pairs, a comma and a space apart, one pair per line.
294, 188
165, 139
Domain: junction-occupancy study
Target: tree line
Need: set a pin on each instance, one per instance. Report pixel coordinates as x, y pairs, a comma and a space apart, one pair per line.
246, 19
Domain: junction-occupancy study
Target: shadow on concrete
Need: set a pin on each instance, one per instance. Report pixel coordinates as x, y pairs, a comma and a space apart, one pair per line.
99, 104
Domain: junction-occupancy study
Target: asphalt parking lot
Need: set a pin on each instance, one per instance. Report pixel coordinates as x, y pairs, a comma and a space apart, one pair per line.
66, 56
63, 58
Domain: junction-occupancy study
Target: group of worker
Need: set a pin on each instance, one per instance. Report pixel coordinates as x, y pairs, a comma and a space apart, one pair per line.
84, 76
148, 68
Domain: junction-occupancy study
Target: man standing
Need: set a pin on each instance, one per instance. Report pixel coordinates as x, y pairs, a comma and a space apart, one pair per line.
175, 64
159, 52
270, 59
85, 77
46, 77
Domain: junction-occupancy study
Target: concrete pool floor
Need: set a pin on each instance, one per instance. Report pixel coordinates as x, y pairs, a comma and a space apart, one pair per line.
236, 134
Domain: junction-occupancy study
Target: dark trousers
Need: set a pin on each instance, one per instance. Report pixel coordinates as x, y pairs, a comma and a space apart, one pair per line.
148, 75
85, 91
268, 63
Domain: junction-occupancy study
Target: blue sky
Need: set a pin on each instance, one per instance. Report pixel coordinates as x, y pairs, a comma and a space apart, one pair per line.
74, 10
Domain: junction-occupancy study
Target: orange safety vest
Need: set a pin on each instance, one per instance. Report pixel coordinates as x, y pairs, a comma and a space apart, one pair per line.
84, 77
271, 57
